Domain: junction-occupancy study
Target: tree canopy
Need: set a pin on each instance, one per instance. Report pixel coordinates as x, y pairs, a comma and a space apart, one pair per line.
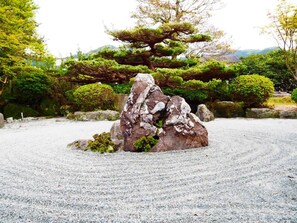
283, 27
168, 39
18, 37
196, 12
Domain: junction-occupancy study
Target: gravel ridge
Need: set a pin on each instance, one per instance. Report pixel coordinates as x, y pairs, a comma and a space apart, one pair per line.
248, 173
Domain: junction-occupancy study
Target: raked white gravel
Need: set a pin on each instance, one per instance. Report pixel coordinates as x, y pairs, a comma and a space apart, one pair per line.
248, 173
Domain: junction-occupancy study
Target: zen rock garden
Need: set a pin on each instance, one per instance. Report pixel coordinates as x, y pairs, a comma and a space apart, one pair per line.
152, 121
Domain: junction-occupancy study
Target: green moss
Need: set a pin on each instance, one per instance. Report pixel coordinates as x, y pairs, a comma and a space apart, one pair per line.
145, 144
102, 143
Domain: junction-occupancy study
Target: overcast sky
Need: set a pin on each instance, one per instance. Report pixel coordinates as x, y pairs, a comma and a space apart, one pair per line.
69, 25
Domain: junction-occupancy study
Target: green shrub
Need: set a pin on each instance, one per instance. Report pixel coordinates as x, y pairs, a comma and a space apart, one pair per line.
121, 88
15, 110
102, 143
145, 144
94, 96
253, 89
48, 107
197, 96
218, 90
30, 86
294, 95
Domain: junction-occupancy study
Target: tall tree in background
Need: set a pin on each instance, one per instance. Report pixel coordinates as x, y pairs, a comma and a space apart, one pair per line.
19, 41
283, 27
196, 12
168, 40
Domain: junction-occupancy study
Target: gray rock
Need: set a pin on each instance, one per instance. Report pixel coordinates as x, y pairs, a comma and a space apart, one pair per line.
226, 109
290, 114
117, 136
95, 115
79, 144
262, 113
169, 119
1, 120
204, 114
9, 120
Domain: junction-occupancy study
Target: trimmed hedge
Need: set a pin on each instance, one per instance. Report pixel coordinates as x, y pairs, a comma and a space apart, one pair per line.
253, 89
94, 96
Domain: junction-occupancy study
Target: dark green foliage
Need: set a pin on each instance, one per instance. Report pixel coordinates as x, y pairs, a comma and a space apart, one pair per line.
253, 90
207, 71
226, 109
49, 107
121, 88
168, 77
218, 90
145, 144
294, 95
15, 110
101, 70
102, 143
94, 96
197, 96
271, 65
30, 85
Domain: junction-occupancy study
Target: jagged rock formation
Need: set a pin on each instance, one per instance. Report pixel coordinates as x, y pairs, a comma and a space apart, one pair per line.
169, 119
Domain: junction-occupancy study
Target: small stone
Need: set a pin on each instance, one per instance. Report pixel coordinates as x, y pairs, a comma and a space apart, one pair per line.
204, 114
9, 120
79, 144
1, 120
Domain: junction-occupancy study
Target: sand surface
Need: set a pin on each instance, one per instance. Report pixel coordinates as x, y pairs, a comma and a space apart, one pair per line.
248, 173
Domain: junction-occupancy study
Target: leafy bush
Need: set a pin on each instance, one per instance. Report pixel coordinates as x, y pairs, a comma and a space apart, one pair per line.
145, 144
121, 88
253, 90
15, 110
197, 96
218, 90
49, 107
294, 95
102, 143
94, 96
31, 85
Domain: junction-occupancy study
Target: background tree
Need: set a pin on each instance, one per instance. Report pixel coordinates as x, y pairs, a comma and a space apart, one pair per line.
168, 40
19, 41
196, 12
283, 28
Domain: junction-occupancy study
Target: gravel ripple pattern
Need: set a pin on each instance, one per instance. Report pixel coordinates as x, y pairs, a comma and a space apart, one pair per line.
248, 173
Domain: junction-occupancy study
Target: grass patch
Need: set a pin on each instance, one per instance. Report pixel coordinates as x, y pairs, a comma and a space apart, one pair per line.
278, 101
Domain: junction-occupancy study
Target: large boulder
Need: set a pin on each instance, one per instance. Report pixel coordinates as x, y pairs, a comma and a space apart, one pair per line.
1, 120
148, 112
226, 109
204, 114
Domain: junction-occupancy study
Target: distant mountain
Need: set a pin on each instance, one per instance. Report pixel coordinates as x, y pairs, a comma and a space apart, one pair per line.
245, 53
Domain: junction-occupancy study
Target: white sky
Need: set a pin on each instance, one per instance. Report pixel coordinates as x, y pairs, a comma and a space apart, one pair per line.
69, 25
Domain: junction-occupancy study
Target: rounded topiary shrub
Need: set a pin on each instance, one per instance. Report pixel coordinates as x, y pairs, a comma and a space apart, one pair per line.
94, 96
253, 89
294, 95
